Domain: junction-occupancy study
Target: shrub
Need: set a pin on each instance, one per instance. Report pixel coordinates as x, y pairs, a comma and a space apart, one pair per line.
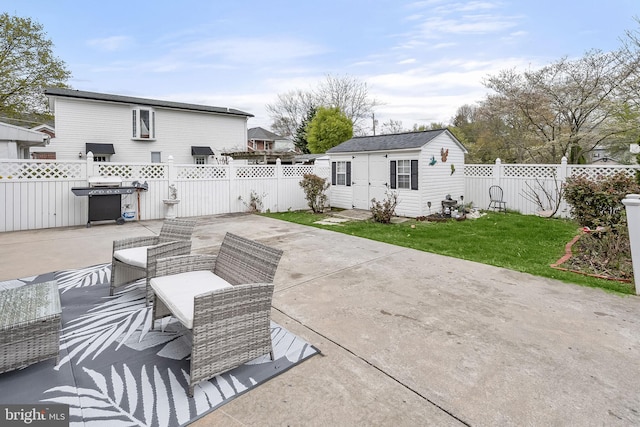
314, 191
599, 202
384, 210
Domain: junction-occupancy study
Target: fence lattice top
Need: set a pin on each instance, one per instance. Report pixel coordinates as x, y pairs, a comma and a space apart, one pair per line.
38, 170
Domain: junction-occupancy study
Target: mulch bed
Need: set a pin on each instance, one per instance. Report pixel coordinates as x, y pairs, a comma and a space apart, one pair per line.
439, 217
577, 260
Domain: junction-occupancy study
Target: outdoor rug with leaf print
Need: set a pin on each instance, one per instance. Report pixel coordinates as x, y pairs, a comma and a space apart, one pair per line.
115, 371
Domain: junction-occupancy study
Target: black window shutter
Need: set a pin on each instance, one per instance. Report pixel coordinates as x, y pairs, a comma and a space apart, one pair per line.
392, 177
414, 174
348, 174
333, 173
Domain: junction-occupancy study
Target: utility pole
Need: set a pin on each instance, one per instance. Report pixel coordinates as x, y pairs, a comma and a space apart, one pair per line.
373, 117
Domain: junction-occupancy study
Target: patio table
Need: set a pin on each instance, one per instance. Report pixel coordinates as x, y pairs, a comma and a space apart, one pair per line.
29, 325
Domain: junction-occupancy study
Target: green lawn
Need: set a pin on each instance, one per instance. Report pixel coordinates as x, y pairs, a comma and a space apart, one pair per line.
523, 243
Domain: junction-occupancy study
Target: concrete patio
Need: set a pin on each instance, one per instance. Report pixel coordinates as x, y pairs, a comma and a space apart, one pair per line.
407, 337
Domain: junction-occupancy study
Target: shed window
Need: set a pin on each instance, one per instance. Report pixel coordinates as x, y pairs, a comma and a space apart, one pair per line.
404, 174
341, 173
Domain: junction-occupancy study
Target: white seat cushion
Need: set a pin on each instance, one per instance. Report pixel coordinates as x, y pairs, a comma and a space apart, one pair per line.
133, 256
178, 291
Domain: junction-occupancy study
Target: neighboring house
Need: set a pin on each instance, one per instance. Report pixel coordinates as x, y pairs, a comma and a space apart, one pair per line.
38, 153
15, 141
600, 155
126, 129
422, 167
312, 159
260, 139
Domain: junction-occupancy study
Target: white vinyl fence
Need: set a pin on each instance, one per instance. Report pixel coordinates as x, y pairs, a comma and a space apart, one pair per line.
37, 193
518, 180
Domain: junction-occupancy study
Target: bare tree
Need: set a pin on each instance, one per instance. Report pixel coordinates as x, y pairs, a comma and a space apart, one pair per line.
391, 126
289, 111
347, 93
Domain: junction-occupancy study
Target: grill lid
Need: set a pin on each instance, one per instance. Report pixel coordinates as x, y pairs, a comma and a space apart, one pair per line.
104, 181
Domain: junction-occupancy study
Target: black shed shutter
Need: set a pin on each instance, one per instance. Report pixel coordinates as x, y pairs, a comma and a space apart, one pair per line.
333, 173
414, 174
392, 176
348, 174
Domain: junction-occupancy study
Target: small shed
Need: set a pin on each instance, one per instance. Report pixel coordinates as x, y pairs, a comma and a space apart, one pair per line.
422, 167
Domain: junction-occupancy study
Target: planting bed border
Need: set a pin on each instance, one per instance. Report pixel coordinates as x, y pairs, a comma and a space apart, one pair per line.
568, 254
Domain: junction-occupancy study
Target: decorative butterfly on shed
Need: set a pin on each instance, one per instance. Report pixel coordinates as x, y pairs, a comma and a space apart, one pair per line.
444, 154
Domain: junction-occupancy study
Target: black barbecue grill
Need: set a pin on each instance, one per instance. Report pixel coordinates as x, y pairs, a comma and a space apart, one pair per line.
105, 198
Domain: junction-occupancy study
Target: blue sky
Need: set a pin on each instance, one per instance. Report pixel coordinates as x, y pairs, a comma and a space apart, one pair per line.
420, 59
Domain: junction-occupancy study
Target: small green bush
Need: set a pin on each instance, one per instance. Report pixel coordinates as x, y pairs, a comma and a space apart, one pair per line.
383, 211
314, 191
599, 202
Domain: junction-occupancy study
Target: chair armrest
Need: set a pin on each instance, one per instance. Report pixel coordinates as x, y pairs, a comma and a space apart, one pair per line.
134, 242
165, 250
183, 264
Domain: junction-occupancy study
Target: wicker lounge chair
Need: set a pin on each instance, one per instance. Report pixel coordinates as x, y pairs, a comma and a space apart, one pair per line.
224, 300
135, 258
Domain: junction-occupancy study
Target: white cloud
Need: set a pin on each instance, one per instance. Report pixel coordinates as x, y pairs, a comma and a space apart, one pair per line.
253, 51
112, 43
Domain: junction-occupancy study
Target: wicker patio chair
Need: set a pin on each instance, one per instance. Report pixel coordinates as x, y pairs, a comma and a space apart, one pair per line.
224, 300
135, 258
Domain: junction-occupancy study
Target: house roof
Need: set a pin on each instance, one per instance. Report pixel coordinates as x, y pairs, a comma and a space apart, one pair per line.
79, 94
398, 141
24, 136
262, 134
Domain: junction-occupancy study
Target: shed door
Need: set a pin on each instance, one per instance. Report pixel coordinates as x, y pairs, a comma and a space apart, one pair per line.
360, 181
370, 176
378, 176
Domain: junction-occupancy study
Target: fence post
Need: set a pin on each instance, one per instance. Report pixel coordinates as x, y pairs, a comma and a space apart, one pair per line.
279, 173
632, 206
90, 170
497, 172
232, 178
562, 172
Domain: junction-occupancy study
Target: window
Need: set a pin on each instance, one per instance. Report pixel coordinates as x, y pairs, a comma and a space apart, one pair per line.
156, 157
341, 173
404, 174
144, 123
100, 158
200, 160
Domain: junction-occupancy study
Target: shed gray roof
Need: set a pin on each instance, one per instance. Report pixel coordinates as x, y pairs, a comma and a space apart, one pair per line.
71, 93
262, 134
398, 141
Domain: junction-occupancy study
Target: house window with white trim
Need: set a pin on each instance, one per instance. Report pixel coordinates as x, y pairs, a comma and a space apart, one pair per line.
200, 160
144, 123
